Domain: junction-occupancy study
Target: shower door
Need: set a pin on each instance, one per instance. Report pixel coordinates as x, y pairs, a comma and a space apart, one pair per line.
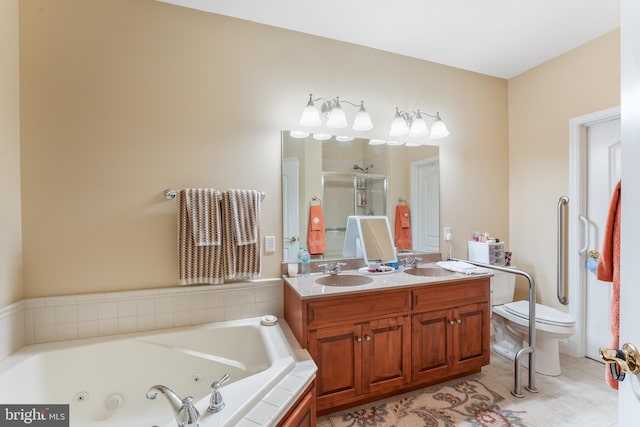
349, 194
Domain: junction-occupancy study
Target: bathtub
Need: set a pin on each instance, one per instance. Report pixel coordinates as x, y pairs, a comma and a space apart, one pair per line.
105, 380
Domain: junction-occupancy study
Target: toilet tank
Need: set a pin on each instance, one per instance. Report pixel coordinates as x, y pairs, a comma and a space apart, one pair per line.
503, 285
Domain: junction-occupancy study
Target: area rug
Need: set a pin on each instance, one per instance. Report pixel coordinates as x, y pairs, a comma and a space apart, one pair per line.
467, 403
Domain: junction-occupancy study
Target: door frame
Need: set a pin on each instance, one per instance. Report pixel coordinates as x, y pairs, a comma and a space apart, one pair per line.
575, 345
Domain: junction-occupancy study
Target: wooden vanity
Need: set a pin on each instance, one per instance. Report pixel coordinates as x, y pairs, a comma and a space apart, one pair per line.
370, 344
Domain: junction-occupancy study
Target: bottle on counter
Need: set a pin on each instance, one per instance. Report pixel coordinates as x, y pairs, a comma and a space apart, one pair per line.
305, 261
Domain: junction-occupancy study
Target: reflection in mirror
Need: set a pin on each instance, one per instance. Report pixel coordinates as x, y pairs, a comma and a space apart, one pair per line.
356, 177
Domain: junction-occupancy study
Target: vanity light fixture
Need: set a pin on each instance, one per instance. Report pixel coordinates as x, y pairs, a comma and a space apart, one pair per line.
414, 125
335, 115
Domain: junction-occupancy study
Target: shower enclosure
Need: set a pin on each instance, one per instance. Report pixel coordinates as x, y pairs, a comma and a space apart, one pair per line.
346, 194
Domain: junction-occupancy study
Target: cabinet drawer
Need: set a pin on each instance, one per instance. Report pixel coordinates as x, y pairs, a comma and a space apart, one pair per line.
435, 297
354, 308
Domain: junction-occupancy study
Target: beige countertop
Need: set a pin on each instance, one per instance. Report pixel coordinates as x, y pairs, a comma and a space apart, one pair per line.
307, 287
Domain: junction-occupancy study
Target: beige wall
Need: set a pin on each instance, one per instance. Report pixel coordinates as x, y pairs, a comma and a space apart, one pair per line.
122, 99
541, 103
10, 224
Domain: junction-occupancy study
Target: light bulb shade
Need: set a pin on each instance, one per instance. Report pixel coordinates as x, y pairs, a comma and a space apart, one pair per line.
336, 117
419, 127
439, 130
362, 121
310, 115
398, 125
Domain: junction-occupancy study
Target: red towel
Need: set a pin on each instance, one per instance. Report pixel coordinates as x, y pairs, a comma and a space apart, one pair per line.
403, 228
316, 239
608, 270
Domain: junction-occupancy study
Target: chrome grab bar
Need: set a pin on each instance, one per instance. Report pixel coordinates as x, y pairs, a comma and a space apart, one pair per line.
561, 251
530, 350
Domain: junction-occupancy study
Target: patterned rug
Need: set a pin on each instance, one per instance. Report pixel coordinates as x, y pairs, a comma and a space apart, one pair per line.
467, 403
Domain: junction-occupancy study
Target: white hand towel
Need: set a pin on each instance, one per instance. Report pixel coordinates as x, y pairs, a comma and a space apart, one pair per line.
461, 267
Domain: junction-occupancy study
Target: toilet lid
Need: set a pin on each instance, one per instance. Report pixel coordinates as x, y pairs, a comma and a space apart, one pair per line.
545, 315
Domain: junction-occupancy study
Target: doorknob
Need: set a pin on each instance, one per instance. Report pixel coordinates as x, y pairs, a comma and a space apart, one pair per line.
622, 360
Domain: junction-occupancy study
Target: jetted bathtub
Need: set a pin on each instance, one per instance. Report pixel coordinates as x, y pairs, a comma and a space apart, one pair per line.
105, 380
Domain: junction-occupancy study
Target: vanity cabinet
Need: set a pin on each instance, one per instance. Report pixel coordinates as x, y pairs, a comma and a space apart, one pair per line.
303, 412
361, 358
372, 344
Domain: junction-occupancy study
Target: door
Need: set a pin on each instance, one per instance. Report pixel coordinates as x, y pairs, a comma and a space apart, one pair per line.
629, 394
431, 352
425, 201
290, 202
603, 172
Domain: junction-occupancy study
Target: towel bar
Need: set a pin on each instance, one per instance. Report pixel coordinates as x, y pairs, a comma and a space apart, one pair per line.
171, 194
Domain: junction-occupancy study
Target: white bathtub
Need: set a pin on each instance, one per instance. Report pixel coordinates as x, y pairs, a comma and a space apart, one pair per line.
105, 381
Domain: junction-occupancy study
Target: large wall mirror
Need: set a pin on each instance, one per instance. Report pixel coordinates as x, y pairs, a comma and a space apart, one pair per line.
357, 176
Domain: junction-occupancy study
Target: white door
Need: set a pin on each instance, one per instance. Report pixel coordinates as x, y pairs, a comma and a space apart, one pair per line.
290, 202
629, 394
603, 172
425, 204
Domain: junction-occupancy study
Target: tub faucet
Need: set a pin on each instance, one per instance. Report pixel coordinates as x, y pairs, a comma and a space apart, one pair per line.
216, 404
186, 413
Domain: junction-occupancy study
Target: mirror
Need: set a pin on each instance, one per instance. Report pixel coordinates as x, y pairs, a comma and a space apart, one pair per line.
375, 234
356, 177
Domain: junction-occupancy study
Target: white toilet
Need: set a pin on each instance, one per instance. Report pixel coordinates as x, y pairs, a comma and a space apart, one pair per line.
510, 320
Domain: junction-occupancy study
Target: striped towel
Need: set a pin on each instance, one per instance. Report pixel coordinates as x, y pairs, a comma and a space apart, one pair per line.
199, 263
203, 207
241, 212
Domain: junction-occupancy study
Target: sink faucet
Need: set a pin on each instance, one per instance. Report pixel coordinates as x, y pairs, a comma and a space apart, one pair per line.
332, 268
216, 404
411, 262
186, 413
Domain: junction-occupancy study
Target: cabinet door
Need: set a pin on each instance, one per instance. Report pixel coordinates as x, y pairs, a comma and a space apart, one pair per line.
386, 354
431, 342
304, 412
338, 352
471, 344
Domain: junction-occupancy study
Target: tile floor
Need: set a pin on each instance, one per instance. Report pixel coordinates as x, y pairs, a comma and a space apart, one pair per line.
579, 397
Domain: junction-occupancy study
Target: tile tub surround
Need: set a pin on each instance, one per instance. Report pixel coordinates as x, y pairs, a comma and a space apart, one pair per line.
62, 318
12, 336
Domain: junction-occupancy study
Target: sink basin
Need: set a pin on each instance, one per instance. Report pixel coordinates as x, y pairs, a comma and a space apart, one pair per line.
429, 271
343, 280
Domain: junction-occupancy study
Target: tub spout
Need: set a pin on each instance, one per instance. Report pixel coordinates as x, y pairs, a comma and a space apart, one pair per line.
186, 413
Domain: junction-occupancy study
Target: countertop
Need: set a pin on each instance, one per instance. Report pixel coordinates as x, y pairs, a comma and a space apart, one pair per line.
307, 287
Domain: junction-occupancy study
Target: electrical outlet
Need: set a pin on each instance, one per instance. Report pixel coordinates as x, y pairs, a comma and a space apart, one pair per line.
269, 243
447, 234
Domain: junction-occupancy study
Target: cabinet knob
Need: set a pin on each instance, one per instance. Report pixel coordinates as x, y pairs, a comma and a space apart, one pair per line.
367, 337
358, 339
451, 322
459, 321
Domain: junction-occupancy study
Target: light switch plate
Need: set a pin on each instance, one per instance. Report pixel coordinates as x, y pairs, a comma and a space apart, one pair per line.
269, 243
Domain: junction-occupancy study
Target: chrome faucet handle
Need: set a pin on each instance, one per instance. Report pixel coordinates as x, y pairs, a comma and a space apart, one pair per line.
216, 404
187, 414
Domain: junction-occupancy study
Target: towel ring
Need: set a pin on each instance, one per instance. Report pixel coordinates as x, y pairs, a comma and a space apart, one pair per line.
402, 201
315, 200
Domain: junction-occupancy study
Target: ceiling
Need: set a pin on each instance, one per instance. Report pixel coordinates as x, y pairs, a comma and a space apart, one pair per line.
500, 38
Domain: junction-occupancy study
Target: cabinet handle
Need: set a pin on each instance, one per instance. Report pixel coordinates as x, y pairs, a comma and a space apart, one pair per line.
367, 337
358, 339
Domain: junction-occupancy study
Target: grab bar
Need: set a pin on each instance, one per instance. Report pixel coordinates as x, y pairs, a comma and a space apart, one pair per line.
561, 252
530, 350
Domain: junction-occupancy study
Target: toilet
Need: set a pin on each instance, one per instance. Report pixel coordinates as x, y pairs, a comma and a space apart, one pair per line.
510, 324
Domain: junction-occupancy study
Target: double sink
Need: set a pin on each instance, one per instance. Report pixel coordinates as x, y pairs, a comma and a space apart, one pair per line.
362, 279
